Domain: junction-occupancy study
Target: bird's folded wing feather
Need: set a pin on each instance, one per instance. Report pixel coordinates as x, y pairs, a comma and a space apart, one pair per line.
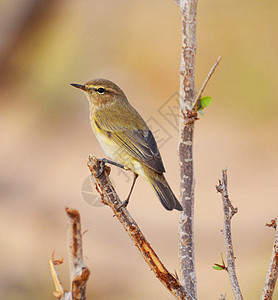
128, 130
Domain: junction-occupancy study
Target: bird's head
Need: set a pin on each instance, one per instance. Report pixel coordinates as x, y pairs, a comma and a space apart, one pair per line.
101, 92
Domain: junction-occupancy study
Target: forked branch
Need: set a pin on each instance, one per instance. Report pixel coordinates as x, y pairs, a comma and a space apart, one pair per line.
229, 212
79, 272
110, 198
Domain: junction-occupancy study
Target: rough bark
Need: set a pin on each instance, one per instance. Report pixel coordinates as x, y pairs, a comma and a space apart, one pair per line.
110, 197
79, 273
272, 272
229, 212
187, 98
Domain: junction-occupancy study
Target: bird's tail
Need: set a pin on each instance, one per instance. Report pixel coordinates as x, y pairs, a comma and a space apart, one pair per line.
164, 192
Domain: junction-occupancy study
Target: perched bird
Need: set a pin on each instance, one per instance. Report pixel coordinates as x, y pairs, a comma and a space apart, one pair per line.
126, 138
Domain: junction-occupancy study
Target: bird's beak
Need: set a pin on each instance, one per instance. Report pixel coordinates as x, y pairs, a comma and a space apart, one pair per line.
79, 86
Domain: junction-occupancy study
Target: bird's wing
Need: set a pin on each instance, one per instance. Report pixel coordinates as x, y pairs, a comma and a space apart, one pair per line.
128, 130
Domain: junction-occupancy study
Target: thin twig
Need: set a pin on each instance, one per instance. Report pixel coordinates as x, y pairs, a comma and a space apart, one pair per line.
79, 272
272, 272
205, 83
59, 289
229, 212
110, 197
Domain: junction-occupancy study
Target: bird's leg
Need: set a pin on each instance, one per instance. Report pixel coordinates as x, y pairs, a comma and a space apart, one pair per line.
113, 163
103, 161
135, 176
125, 203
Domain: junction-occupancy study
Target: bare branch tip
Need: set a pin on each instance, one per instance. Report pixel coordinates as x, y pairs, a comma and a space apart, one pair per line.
92, 160
72, 213
56, 262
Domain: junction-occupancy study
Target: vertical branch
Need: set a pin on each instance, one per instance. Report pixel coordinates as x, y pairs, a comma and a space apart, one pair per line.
78, 271
229, 212
187, 97
272, 272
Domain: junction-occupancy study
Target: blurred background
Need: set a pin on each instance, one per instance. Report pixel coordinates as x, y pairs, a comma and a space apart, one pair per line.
46, 138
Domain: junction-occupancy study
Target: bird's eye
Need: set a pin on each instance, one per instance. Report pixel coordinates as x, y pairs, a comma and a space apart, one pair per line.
101, 90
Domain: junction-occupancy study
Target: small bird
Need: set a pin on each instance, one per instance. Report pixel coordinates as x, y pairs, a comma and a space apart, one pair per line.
126, 138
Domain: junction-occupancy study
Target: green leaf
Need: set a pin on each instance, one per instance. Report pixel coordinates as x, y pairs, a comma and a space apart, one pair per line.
205, 102
218, 268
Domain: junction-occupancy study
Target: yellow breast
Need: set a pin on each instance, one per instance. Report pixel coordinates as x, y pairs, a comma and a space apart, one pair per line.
116, 153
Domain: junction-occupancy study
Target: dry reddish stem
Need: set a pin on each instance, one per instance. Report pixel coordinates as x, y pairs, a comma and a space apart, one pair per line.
110, 197
79, 272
